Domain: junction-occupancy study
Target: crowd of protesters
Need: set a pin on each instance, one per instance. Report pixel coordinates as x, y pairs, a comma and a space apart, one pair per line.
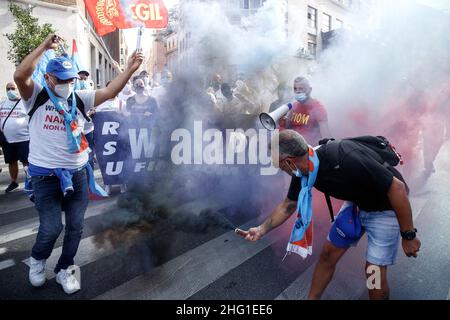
59, 160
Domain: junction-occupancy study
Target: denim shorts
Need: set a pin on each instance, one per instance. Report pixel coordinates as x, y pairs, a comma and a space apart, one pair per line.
383, 235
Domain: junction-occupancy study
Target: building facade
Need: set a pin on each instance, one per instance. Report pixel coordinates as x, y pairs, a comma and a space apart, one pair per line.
171, 41
157, 62
309, 20
71, 21
306, 23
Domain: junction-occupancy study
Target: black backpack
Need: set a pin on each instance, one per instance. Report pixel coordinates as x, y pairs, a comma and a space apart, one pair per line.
377, 146
43, 97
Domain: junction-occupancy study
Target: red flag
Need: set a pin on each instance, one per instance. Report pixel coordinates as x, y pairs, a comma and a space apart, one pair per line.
97, 11
108, 15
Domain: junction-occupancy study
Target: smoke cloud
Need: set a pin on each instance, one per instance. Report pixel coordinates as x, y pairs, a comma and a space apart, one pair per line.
389, 75
386, 75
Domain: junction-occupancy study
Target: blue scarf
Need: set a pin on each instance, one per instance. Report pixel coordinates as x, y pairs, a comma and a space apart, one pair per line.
75, 137
65, 179
301, 236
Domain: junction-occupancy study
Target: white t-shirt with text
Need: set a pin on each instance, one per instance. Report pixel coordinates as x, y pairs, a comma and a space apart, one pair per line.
48, 139
16, 127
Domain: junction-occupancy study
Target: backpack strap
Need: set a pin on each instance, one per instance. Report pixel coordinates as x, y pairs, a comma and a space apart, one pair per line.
43, 97
9, 114
330, 207
332, 152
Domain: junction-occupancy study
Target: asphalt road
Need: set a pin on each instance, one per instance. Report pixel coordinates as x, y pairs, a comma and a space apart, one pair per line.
163, 262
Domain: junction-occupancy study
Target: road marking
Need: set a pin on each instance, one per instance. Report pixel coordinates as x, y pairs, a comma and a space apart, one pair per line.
87, 252
22, 229
7, 263
3, 250
24, 202
348, 282
192, 271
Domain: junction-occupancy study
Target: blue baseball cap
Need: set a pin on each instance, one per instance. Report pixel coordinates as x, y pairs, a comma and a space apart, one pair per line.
62, 68
346, 229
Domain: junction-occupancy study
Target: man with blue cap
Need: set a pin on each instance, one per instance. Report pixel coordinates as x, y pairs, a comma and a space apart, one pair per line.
58, 160
376, 203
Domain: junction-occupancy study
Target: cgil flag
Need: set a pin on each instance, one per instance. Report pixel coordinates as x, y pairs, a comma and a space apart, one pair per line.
109, 15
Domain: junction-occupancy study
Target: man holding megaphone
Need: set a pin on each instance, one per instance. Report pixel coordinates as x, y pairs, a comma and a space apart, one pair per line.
307, 116
304, 115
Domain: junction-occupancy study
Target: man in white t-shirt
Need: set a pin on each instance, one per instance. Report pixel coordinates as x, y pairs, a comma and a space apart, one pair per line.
14, 126
58, 159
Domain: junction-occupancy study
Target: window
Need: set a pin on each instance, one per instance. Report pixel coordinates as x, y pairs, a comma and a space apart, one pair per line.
256, 4
340, 23
312, 44
251, 6
121, 50
326, 26
312, 17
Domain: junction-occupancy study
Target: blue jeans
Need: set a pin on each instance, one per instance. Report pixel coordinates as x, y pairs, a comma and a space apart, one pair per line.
49, 202
383, 236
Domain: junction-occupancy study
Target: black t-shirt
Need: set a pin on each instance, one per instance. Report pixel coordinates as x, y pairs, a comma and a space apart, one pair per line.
360, 178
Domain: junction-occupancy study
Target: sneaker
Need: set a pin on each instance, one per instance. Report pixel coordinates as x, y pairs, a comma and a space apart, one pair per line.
37, 272
108, 189
68, 281
13, 185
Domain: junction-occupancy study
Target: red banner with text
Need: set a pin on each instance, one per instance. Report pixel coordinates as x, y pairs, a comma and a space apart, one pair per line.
109, 15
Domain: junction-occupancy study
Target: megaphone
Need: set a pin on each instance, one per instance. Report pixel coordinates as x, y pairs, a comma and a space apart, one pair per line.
269, 120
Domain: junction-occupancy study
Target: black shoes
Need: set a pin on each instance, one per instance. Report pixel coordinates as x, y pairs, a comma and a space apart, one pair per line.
13, 185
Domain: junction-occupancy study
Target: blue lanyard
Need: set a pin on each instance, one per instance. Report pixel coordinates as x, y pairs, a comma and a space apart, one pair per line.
68, 116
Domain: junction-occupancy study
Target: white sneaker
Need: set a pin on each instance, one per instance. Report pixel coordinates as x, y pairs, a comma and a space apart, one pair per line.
68, 281
37, 272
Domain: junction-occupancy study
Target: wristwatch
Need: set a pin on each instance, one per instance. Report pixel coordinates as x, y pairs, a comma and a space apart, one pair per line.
409, 235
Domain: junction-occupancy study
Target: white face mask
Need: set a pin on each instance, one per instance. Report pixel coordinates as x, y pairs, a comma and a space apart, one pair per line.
63, 90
